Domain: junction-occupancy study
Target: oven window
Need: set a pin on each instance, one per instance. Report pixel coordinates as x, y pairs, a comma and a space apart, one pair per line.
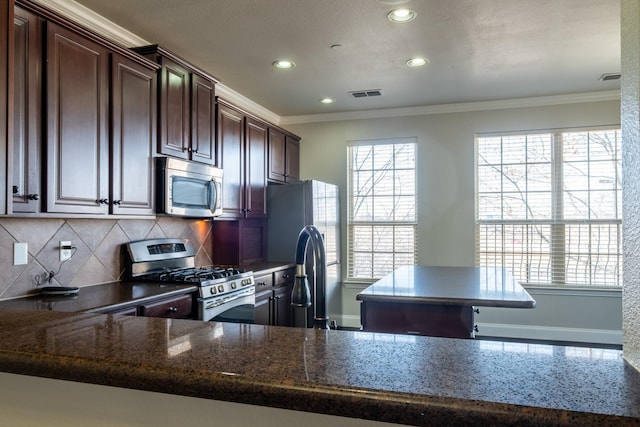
240, 314
191, 193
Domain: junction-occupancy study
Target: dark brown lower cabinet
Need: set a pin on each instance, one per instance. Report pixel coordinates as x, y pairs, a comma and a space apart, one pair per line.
438, 320
180, 307
273, 298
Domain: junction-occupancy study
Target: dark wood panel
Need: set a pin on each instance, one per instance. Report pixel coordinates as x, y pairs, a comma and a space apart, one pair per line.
439, 320
292, 156
283, 311
277, 160
231, 159
177, 307
77, 144
256, 164
25, 184
133, 120
174, 110
263, 312
6, 65
203, 112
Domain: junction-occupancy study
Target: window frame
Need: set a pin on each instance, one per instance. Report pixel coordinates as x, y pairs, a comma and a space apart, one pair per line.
353, 223
558, 224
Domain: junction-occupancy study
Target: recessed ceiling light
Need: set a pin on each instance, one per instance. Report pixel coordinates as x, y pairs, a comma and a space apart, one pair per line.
327, 100
417, 62
401, 15
283, 64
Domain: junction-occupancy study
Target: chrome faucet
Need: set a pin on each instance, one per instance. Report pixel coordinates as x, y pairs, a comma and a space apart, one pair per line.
300, 295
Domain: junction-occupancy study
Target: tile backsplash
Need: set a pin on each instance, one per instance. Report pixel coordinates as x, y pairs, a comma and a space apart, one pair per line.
98, 257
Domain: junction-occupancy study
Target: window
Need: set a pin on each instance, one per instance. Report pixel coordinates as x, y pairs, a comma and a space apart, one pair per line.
549, 206
382, 207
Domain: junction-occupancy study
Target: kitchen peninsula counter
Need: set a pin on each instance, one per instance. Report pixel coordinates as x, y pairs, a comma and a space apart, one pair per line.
394, 378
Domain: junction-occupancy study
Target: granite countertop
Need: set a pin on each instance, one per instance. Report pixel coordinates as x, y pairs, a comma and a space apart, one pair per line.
395, 378
477, 286
103, 297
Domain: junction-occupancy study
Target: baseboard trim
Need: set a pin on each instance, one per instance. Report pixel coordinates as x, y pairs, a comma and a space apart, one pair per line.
597, 336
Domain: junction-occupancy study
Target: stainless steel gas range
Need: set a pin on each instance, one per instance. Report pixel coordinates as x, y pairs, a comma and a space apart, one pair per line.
225, 293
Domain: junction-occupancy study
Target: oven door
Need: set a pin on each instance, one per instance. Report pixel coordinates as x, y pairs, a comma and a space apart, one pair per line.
237, 307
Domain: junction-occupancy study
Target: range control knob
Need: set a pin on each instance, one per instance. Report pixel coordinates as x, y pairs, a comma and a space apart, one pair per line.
233, 285
220, 288
213, 290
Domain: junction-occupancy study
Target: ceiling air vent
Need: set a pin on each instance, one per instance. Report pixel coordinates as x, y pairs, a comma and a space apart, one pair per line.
609, 76
366, 93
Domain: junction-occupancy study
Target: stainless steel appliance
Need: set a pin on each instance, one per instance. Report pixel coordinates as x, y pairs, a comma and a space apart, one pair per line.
186, 188
225, 293
291, 207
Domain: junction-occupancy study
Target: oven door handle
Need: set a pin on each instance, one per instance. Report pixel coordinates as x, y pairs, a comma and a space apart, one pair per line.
227, 299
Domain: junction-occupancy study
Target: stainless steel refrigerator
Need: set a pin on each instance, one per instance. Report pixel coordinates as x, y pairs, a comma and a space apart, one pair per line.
290, 207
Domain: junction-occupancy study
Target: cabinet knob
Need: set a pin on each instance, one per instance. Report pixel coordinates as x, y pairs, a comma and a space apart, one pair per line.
33, 197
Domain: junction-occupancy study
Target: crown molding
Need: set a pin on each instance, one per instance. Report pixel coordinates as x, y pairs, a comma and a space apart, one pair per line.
464, 107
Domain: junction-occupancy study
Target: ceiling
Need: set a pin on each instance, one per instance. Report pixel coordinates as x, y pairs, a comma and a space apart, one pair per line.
479, 50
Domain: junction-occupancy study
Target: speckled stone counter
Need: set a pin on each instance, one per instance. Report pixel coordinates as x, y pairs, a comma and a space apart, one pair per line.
394, 378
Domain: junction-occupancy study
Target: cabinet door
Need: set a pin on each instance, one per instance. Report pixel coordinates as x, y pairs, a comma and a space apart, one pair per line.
256, 174
231, 156
27, 104
282, 302
6, 13
77, 144
292, 159
203, 120
133, 118
277, 159
263, 308
174, 110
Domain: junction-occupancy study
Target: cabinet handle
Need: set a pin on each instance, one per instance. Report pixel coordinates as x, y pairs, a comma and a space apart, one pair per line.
33, 197
172, 309
117, 202
286, 276
476, 310
15, 189
262, 284
102, 201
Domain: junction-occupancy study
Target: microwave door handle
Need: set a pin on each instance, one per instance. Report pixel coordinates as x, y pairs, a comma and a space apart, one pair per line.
213, 196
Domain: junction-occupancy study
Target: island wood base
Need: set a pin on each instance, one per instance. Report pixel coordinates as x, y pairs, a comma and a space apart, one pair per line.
437, 320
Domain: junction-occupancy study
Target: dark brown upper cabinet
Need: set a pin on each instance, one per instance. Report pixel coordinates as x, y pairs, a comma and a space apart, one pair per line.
6, 18
84, 119
242, 145
26, 168
133, 137
186, 113
284, 157
77, 143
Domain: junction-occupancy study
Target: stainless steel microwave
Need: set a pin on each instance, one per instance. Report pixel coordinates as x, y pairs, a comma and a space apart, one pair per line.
185, 188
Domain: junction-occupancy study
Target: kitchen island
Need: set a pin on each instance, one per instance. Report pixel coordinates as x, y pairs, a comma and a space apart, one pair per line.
398, 379
437, 301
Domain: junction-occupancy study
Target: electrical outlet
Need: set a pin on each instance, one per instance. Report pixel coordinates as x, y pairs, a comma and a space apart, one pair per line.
65, 250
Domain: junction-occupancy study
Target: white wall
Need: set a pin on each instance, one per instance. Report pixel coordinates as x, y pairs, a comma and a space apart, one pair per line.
446, 202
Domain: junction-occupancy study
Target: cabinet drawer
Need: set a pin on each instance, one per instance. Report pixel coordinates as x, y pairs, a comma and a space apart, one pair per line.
284, 276
178, 307
264, 282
